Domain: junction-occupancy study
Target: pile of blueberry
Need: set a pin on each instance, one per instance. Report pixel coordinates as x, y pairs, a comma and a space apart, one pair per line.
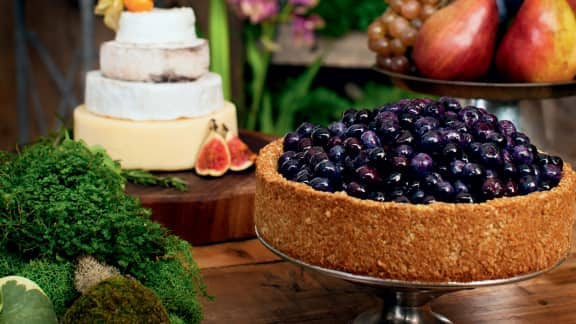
418, 151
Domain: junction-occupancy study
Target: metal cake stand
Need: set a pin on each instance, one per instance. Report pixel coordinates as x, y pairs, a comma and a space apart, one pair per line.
403, 301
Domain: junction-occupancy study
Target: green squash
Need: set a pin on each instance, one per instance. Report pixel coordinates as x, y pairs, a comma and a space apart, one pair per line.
23, 301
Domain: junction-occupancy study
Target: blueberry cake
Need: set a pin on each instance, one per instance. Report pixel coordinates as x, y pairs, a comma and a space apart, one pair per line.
419, 190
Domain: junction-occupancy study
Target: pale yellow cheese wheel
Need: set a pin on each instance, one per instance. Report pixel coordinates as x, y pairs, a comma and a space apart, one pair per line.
168, 145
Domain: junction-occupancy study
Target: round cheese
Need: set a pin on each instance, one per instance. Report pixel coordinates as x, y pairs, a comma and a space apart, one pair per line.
151, 145
168, 27
152, 63
153, 101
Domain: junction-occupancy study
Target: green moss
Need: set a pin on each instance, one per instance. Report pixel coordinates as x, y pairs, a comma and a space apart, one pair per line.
175, 319
176, 280
117, 300
56, 278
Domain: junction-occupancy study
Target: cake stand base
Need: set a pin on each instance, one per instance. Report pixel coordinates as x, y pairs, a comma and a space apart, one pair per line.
404, 302
405, 306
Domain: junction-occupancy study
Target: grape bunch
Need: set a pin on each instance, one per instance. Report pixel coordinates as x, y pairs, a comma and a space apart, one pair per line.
418, 151
393, 34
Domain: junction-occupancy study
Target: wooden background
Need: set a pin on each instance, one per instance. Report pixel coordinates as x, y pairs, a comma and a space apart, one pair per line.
57, 23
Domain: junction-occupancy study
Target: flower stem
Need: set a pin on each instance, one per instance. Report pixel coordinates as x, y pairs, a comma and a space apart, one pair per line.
219, 43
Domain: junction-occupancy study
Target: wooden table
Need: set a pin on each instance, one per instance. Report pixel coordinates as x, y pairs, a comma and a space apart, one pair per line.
251, 285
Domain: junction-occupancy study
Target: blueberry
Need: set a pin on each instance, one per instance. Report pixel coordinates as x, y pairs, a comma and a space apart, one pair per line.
451, 135
434, 109
520, 139
450, 104
400, 162
473, 172
402, 200
381, 116
407, 120
474, 150
451, 151
378, 158
304, 175
429, 199
305, 129
510, 188
490, 174
542, 159
497, 139
552, 173
509, 170
460, 186
464, 197
394, 179
545, 185
490, 119
304, 144
490, 155
356, 130
387, 129
289, 168
431, 141
320, 136
444, 190
404, 150
337, 128
327, 169
418, 196
362, 116
356, 189
370, 139
368, 175
378, 196
290, 142
527, 184
450, 115
457, 125
557, 161
525, 169
469, 115
522, 155
311, 151
432, 179
317, 158
337, 153
321, 184
425, 124
492, 188
404, 137
466, 139
482, 130
333, 141
506, 127
353, 146
349, 117
285, 157
421, 164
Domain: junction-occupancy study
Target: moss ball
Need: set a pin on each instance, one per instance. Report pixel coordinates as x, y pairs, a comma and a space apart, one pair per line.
117, 300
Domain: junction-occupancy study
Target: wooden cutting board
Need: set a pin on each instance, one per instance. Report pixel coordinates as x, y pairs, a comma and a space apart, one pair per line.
213, 209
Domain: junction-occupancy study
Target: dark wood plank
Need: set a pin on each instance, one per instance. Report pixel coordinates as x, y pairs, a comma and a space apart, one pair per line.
213, 209
232, 254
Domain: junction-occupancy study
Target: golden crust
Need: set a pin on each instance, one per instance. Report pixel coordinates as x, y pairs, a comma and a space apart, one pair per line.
440, 242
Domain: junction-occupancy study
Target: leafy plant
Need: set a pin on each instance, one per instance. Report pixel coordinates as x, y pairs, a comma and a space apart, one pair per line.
23, 301
342, 16
63, 201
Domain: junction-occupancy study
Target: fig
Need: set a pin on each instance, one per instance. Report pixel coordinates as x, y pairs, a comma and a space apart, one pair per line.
241, 155
214, 156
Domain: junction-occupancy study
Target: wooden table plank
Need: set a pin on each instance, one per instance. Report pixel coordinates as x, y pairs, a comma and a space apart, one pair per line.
253, 286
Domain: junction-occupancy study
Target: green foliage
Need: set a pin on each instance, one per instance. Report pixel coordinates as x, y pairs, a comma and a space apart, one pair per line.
117, 300
175, 319
341, 16
176, 280
55, 278
23, 301
61, 201
148, 179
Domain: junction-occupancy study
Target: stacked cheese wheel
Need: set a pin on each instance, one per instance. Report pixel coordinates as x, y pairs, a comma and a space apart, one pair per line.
151, 103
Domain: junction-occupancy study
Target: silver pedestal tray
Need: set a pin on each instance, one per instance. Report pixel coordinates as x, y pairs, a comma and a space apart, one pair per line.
403, 301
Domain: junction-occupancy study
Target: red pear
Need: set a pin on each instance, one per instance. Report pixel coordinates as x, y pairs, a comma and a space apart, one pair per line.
457, 42
572, 4
540, 45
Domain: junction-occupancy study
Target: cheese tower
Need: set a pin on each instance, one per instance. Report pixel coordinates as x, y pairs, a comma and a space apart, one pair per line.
151, 102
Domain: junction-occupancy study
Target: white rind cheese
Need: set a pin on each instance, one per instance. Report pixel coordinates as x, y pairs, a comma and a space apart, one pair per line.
151, 145
150, 63
153, 101
170, 27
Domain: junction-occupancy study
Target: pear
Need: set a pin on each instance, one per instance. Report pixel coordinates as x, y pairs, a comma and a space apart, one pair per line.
457, 42
540, 45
